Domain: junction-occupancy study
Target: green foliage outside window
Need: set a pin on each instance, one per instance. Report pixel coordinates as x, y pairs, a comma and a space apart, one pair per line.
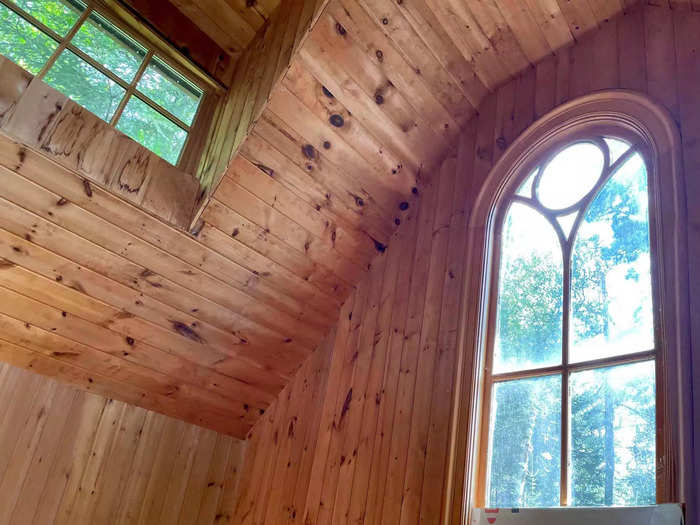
612, 409
23, 43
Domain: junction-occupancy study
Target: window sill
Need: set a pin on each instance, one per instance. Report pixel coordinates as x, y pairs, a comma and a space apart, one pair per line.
667, 514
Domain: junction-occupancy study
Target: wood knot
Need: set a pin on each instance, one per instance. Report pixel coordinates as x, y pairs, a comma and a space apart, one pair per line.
501, 142
380, 55
340, 29
379, 98
186, 331
326, 144
414, 190
403, 206
381, 248
197, 228
87, 187
336, 120
326, 92
397, 221
482, 153
309, 151
250, 3
385, 21
265, 169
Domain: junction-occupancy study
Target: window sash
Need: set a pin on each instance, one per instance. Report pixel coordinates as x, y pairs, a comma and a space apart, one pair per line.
565, 368
130, 88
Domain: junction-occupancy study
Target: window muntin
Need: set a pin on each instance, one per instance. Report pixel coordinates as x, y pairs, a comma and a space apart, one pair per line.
581, 335
84, 55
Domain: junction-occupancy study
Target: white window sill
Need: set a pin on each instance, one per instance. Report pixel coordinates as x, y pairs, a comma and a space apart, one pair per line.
667, 514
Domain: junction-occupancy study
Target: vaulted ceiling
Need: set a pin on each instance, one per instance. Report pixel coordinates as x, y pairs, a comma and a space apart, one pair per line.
374, 98
332, 148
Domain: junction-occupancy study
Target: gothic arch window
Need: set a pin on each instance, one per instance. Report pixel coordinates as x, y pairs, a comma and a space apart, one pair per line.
576, 246
572, 351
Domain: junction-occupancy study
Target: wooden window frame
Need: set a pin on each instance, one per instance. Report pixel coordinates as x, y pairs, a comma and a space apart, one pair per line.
211, 89
640, 121
540, 159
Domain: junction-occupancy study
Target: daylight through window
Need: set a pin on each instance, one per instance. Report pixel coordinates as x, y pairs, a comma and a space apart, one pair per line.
85, 56
570, 383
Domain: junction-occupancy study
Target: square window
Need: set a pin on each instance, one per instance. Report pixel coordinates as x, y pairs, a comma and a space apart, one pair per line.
88, 57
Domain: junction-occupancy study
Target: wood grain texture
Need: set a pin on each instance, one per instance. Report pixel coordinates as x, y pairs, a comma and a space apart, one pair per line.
155, 316
40, 117
383, 440
181, 32
230, 23
75, 457
340, 120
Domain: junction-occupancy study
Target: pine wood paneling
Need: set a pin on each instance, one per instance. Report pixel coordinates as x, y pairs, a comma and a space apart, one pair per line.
74, 457
180, 32
232, 24
40, 117
340, 119
383, 446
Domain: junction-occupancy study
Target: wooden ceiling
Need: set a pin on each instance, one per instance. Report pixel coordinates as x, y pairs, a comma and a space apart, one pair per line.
232, 24
209, 326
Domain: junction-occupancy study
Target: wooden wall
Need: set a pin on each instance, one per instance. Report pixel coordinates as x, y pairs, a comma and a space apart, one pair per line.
206, 328
263, 62
38, 116
74, 457
384, 414
379, 452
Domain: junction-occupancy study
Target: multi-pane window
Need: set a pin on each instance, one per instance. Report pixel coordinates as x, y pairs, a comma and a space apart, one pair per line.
84, 55
570, 381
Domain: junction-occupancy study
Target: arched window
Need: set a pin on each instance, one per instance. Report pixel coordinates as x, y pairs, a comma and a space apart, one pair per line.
570, 371
577, 245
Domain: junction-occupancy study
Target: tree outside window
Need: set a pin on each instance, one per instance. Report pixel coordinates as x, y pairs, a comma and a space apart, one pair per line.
571, 401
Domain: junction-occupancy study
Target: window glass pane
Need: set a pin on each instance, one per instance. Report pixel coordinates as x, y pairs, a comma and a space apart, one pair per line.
84, 84
152, 130
110, 46
23, 43
613, 436
616, 147
529, 316
59, 15
611, 270
570, 175
525, 450
525, 189
171, 90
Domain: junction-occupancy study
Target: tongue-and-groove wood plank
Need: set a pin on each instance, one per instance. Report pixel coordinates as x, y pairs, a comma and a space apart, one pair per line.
335, 130
404, 473
73, 457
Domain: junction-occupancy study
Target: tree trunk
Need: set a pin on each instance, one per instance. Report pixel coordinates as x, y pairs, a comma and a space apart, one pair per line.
609, 444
